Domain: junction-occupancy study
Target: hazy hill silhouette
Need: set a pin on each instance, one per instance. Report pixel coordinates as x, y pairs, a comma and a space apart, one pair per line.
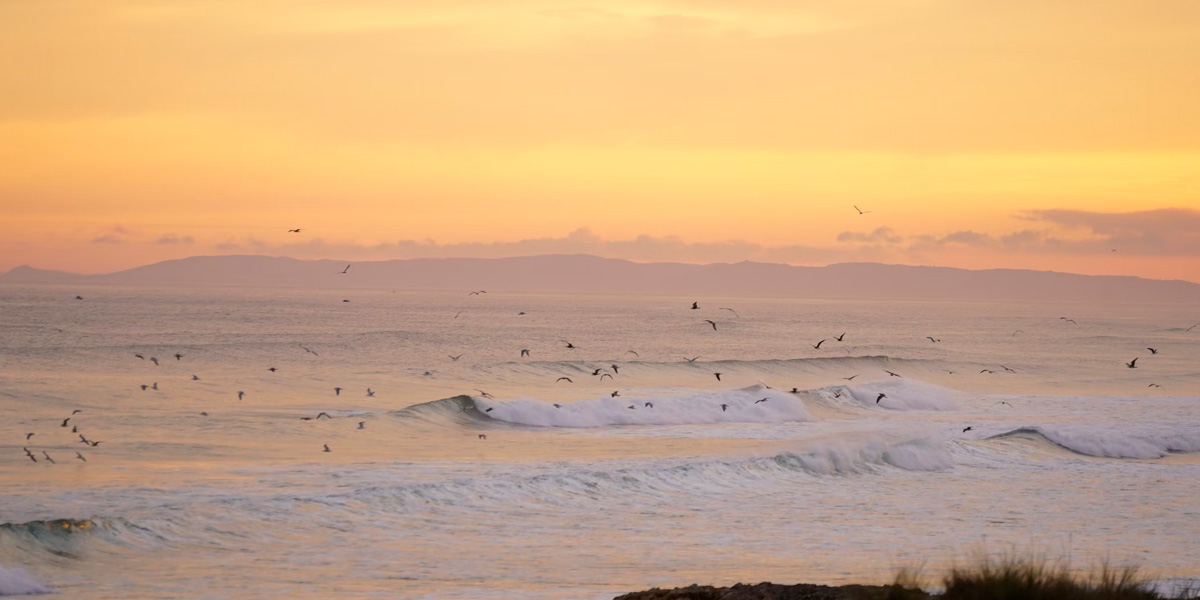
583, 273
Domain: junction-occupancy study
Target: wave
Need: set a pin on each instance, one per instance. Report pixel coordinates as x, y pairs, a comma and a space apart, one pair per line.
1109, 443
15, 582
70, 538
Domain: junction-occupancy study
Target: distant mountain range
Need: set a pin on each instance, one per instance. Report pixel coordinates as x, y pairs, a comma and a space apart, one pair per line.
583, 273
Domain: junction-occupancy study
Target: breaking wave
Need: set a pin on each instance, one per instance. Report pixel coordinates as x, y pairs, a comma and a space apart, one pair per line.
1110, 443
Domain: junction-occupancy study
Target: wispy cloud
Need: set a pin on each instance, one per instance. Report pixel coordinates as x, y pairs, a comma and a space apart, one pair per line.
171, 238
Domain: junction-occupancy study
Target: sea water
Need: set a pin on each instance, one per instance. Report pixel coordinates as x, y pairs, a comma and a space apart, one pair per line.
465, 480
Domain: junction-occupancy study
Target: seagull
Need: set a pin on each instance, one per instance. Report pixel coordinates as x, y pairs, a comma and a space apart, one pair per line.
818, 344
337, 391
48, 457
893, 374
323, 414
850, 378
1153, 351
240, 394
1151, 385
65, 421
27, 436
691, 360
29, 454
345, 270
732, 311
345, 300
94, 444
1007, 369
79, 297
140, 356
1192, 327
988, 371
968, 428
80, 457
476, 293
616, 370
795, 390
455, 358
633, 353
930, 338
881, 396
1004, 403
567, 379
631, 407
603, 375
326, 448
457, 313
763, 400
1132, 364
524, 352
293, 231
1071, 321
306, 349
83, 439
195, 378
717, 375
178, 356
837, 393
370, 393
76, 411
649, 405
154, 386
839, 338
596, 372
614, 394
570, 346
861, 211
557, 405
711, 323
144, 387
362, 424
482, 437
204, 414
154, 360
695, 305
272, 369
483, 393
724, 407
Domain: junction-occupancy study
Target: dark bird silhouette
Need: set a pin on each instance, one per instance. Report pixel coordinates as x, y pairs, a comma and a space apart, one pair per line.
1153, 351
633, 353
691, 360
603, 375
94, 444
204, 414
1192, 327
1004, 403
837, 393
649, 405
1154, 385
717, 375
566, 379
614, 394
724, 407
272, 369
64, 424
240, 394
344, 300
74, 429
154, 386
760, 401
79, 297
795, 390
840, 337
27, 436
596, 372
968, 428
140, 356
1071, 321
570, 346
178, 356
695, 305
818, 344
154, 360
455, 358
713, 323
309, 351
988, 371
1132, 364
893, 374
344, 271
362, 424
195, 378
930, 338
615, 369
337, 391
80, 457
30, 455
83, 439
881, 396
861, 211
76, 411
477, 293
483, 393
326, 448
732, 311
1016, 332
482, 437
557, 405
370, 393
850, 378
631, 407
293, 231
48, 457
457, 313
1008, 369
323, 414
524, 352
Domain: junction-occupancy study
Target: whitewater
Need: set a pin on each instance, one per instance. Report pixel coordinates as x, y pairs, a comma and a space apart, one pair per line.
618, 463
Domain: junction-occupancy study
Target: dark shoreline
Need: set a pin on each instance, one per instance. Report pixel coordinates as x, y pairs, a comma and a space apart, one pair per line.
773, 591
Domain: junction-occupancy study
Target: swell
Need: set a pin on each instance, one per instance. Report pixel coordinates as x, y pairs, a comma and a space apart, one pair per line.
1108, 443
65, 538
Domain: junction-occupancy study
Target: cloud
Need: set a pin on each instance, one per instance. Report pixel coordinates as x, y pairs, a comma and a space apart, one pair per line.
1162, 232
881, 235
107, 239
171, 238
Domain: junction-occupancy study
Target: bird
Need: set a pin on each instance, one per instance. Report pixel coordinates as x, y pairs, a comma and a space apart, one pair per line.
850, 378
714, 325
345, 270
893, 374
931, 339
27, 436
1132, 364
362, 424
1071, 321
272, 369
344, 300
455, 358
1014, 334
691, 360
370, 393
695, 305
74, 429
795, 391
79, 297
1192, 327
732, 311
614, 394
64, 423
1008, 369
633, 352
483, 393
818, 344
195, 378
1154, 385
29, 454
1153, 351
837, 393
94, 444
293, 231
203, 414
881, 396
140, 356
570, 346
154, 386
596, 372
1004, 403
615, 369
309, 351
154, 360
968, 428
337, 391
760, 401
988, 371
48, 457
326, 448
717, 375
457, 313
482, 437
83, 439
323, 414
603, 375
724, 407
567, 379
178, 356
839, 338
631, 407
649, 405
76, 411
861, 211
524, 352
477, 293
240, 394
80, 457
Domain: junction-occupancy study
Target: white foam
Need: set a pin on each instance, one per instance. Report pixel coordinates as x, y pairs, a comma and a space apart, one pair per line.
15, 582
1110, 442
904, 394
670, 407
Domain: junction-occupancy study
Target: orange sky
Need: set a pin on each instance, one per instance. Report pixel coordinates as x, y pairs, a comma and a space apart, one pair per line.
978, 134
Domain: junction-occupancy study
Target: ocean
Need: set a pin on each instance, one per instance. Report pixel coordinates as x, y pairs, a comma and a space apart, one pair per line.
490, 477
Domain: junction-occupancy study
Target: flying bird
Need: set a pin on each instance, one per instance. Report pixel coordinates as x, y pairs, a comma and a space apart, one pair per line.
64, 424
195, 378
1008, 369
968, 428
362, 424
714, 325
344, 272
483, 393
695, 305
763, 400
691, 360
631, 407
1192, 327
988, 371
603, 375
154, 360
48, 457
717, 375
1153, 351
80, 457
144, 387
337, 391
881, 396
272, 369
1154, 385
930, 338
455, 358
306, 349
839, 338
140, 356
570, 346
861, 211
724, 407
1132, 364
614, 394
370, 393
567, 379
893, 374
240, 394
818, 344
482, 437
615, 369
293, 231
649, 405
76, 411
154, 386
633, 353
178, 356
477, 293
27, 436
732, 311
557, 405
326, 448
1004, 403
596, 372
850, 378
1071, 321
524, 352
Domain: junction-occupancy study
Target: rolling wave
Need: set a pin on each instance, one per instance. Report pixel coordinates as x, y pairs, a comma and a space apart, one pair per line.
1108, 443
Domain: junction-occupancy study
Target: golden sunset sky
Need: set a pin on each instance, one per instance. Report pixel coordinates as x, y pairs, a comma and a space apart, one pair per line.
1013, 133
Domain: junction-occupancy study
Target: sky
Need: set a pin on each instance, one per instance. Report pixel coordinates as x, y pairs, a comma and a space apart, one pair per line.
1024, 134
